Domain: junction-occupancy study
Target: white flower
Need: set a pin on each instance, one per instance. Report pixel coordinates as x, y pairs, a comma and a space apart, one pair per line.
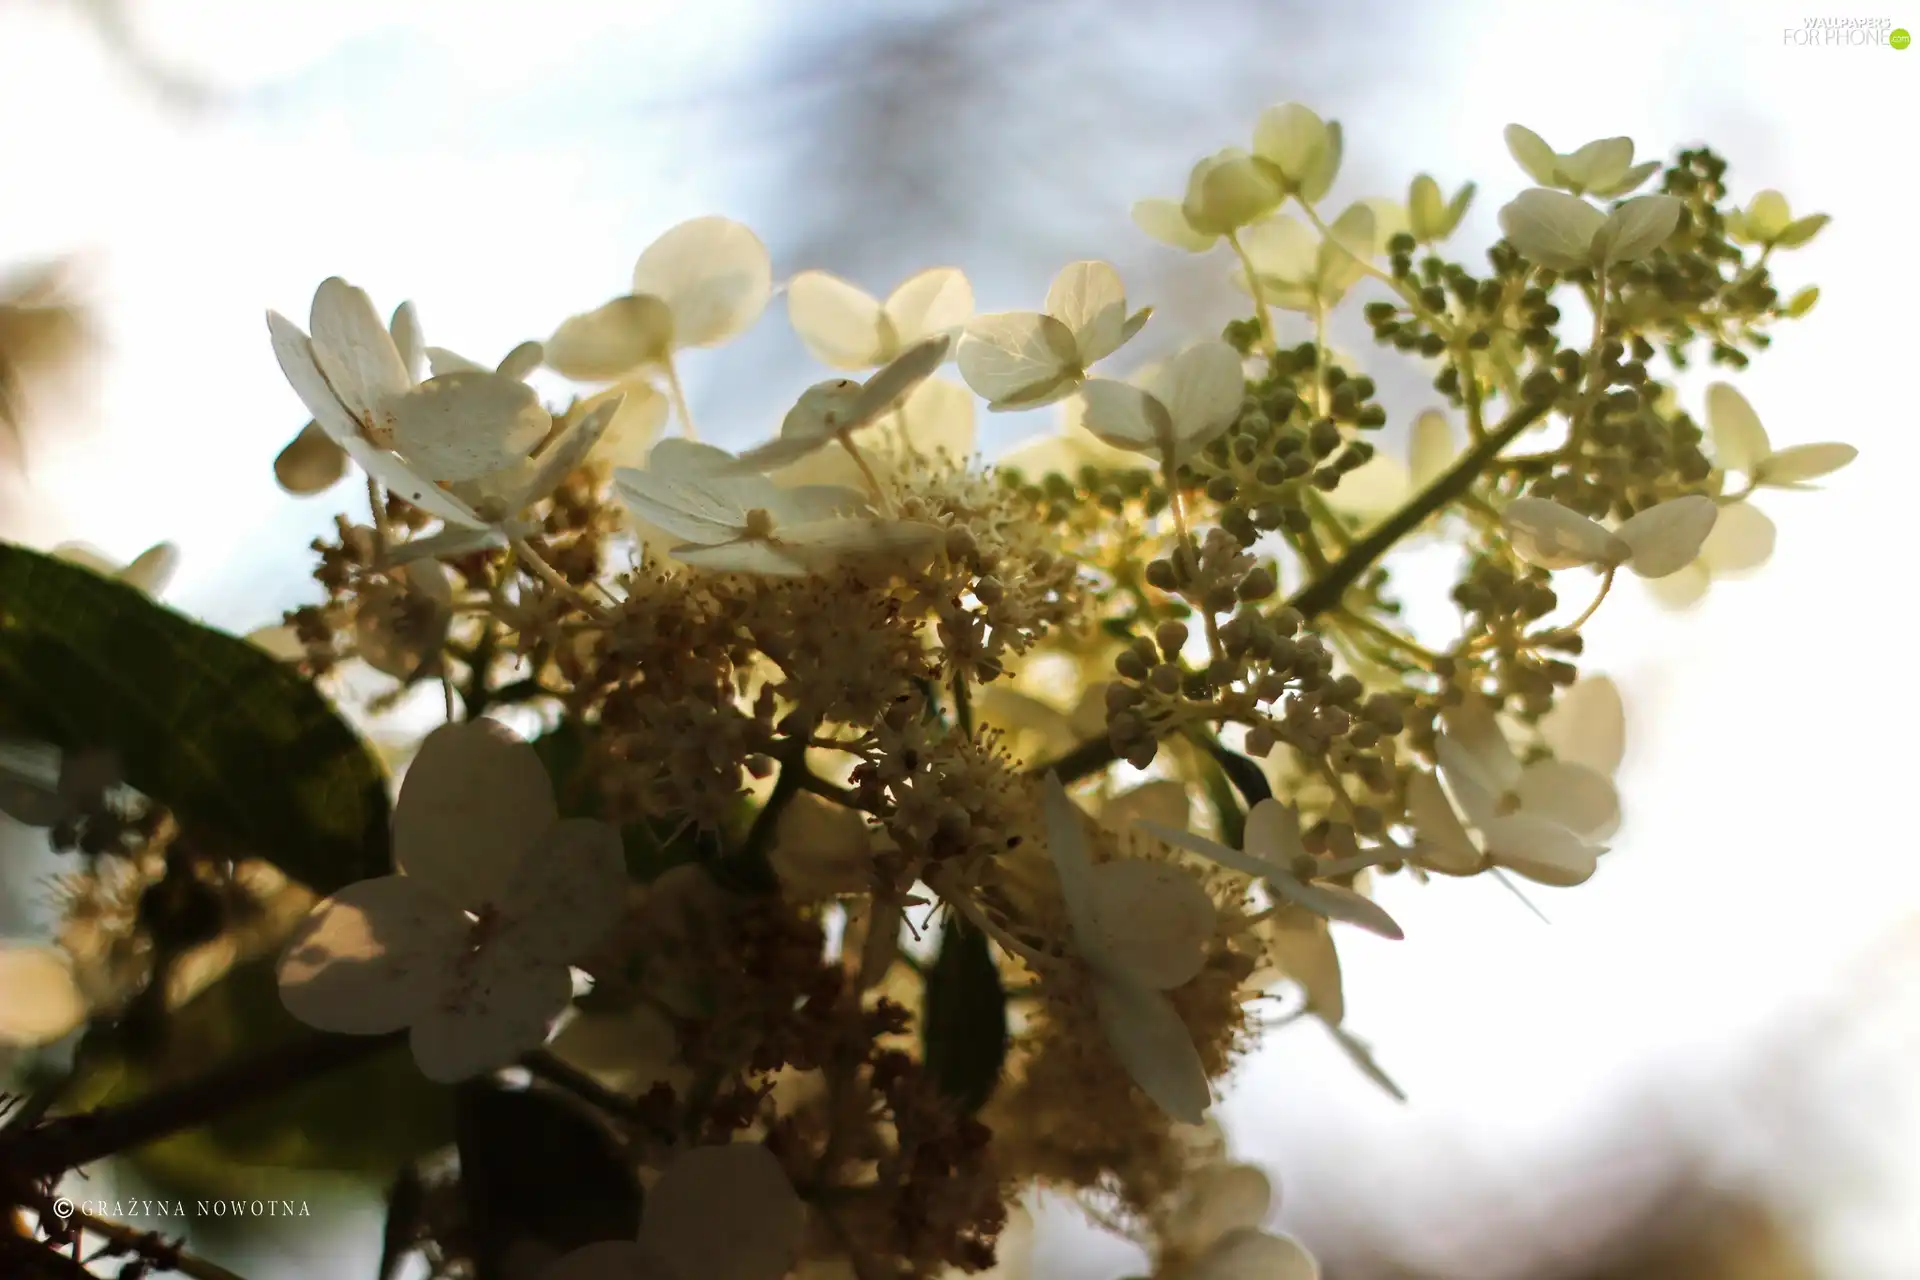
148, 573
1740, 544
1211, 1230
77, 785
1024, 359
1565, 233
847, 328
1656, 542
1587, 725
1602, 168
469, 943
1272, 851
744, 523
1172, 410
1541, 820
1767, 220
1299, 149
1299, 270
1740, 443
1431, 218
835, 409
936, 420
43, 1000
1107, 908
701, 283
1225, 191
312, 463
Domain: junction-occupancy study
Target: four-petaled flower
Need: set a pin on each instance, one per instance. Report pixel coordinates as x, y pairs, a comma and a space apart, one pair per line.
1172, 410
1024, 359
468, 943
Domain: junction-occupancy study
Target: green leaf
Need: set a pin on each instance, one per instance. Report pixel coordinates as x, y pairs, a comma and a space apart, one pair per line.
963, 1026
536, 1166
237, 745
1245, 775
364, 1121
1228, 816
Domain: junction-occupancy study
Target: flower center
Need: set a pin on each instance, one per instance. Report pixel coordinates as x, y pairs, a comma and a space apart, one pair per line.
759, 523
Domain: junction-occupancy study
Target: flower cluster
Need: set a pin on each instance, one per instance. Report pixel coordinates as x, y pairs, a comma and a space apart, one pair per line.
808, 860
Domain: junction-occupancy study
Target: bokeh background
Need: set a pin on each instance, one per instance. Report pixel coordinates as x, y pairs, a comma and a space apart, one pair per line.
1702, 1067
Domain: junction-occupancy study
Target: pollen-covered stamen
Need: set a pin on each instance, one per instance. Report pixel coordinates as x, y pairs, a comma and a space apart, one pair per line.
759, 524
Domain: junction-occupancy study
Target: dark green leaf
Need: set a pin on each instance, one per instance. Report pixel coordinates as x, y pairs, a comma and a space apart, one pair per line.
535, 1165
238, 745
369, 1119
1230, 818
963, 1027
1245, 775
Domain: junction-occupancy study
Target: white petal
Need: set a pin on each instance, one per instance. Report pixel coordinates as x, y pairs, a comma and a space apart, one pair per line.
839, 323
1165, 221
610, 1260
1532, 153
404, 328
935, 301
1741, 541
1588, 725
1202, 388
1598, 164
1552, 228
1247, 864
1430, 449
43, 1002
403, 481
1473, 725
503, 1006
685, 508
353, 349
1800, 463
564, 897
612, 340
561, 457
1126, 417
1336, 903
294, 350
459, 426
1540, 849
1637, 228
1443, 842
1154, 919
1273, 833
744, 555
725, 1212
1164, 802
1681, 590
151, 570
311, 463
1301, 944
1067, 846
1017, 357
522, 360
1666, 537
812, 503
891, 384
636, 424
474, 802
1089, 299
825, 542
1281, 247
372, 958
1257, 1255
1551, 536
440, 360
938, 418
1217, 1199
1739, 440
1153, 1045
1578, 798
713, 273
1291, 136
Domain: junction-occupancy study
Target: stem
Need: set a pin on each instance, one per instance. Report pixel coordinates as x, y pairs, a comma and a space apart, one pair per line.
543, 1064
962, 705
766, 824
866, 470
69, 1142
125, 1239
382, 535
1606, 585
551, 576
1267, 338
678, 395
1438, 324
957, 898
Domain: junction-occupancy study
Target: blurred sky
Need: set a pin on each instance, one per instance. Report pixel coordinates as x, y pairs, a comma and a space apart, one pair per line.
503, 164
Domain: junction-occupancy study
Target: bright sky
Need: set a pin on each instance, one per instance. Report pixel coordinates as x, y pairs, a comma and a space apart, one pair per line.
478, 168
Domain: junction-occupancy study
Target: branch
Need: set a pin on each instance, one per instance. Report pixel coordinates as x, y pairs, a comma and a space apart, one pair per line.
51, 1149
1326, 591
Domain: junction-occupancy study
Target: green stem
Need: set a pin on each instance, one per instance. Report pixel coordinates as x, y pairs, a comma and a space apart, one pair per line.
1268, 340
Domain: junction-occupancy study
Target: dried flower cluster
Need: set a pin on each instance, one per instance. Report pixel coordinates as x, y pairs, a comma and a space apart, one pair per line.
821, 863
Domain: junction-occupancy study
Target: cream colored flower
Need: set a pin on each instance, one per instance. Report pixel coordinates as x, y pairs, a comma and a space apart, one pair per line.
148, 573
1212, 1230
1140, 928
1661, 540
1601, 168
1768, 221
847, 328
1272, 852
1740, 443
1225, 191
1299, 149
1542, 820
1587, 725
468, 943
1024, 359
833, 410
1431, 217
43, 1001
1172, 410
1565, 233
744, 523
313, 463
